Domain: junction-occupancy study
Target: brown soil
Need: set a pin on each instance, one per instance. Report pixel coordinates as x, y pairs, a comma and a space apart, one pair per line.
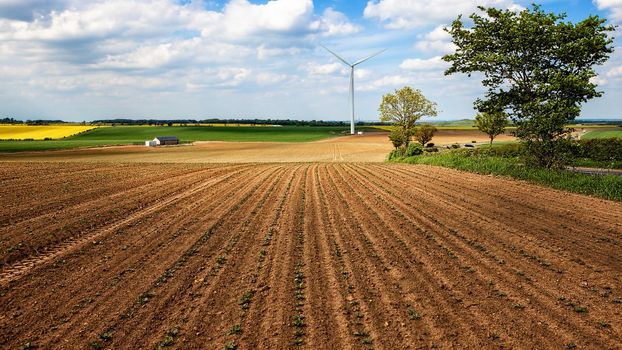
323, 256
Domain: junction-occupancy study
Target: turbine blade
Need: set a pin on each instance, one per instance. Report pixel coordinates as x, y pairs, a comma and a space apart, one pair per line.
372, 56
334, 54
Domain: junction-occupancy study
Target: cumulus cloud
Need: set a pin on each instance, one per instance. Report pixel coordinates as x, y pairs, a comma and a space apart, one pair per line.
615, 72
268, 78
614, 6
241, 19
73, 41
400, 14
324, 69
335, 23
424, 64
391, 81
438, 40
26, 10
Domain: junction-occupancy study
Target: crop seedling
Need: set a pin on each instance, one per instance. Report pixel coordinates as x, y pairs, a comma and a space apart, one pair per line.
413, 314
169, 338
604, 324
366, 340
361, 333
230, 346
299, 320
145, 297
245, 300
236, 329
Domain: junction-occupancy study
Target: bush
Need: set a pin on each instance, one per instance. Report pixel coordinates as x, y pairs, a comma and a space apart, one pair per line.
431, 149
414, 149
599, 149
396, 154
505, 151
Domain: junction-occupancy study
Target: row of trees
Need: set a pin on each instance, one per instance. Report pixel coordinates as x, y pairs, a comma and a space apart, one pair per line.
538, 72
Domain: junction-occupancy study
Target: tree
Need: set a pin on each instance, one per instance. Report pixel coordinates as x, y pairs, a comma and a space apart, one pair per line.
404, 108
536, 67
424, 133
398, 137
492, 123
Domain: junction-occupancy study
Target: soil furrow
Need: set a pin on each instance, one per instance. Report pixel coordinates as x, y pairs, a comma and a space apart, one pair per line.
23, 267
527, 294
302, 255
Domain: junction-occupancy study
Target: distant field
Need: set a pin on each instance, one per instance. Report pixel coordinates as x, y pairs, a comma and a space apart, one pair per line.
125, 135
40, 132
439, 127
602, 134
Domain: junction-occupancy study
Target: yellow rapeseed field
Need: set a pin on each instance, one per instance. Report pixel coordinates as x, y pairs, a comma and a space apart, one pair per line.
40, 132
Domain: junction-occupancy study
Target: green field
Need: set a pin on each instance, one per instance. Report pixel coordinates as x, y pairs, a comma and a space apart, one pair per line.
602, 134
127, 135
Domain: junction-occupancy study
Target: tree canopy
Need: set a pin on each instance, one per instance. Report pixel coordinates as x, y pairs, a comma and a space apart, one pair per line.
492, 123
536, 66
405, 107
424, 133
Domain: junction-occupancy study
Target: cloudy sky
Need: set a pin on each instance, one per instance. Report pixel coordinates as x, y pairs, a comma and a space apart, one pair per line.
88, 59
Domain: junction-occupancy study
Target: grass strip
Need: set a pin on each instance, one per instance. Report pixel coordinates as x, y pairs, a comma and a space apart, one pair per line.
603, 186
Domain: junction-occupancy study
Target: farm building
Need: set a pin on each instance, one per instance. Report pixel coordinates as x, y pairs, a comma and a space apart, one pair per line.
162, 141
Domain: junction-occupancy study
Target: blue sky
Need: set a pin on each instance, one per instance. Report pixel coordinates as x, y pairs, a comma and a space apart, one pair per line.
90, 59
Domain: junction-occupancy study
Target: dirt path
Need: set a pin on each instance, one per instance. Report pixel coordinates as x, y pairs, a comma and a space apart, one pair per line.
308, 255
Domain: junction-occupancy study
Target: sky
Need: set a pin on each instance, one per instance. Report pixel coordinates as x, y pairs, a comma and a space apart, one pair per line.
93, 59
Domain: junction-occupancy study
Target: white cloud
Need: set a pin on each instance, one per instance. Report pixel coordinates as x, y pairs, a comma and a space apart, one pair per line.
233, 74
438, 40
615, 72
324, 69
599, 81
399, 14
241, 19
99, 20
360, 73
614, 6
335, 23
435, 62
384, 82
264, 52
268, 78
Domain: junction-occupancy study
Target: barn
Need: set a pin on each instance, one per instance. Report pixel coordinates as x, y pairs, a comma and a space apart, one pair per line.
166, 140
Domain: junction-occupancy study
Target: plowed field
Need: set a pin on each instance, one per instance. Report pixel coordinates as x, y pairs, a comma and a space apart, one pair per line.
321, 256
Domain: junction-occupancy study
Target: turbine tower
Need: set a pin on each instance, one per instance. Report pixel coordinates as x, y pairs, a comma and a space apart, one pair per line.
352, 131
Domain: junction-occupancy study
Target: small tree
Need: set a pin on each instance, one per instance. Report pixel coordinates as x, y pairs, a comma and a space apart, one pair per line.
536, 66
424, 133
397, 137
404, 108
491, 123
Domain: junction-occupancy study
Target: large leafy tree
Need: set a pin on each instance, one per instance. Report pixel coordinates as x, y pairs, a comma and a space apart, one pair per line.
403, 108
536, 66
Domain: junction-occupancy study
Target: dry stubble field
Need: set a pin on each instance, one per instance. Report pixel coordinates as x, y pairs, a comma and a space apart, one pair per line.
325, 256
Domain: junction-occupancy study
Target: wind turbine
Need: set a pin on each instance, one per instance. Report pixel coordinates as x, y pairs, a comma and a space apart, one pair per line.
352, 131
